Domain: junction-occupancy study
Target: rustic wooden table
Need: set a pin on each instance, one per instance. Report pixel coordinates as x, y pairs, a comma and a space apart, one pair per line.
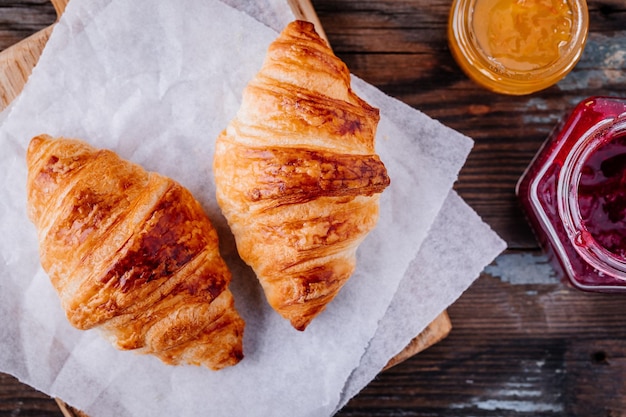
523, 343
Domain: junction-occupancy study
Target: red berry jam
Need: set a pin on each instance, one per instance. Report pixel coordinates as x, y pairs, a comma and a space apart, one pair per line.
574, 195
602, 196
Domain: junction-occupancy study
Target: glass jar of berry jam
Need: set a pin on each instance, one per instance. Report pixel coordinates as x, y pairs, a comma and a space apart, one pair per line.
574, 195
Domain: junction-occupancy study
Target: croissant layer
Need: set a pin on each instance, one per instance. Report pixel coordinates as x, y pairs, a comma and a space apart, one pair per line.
132, 253
297, 175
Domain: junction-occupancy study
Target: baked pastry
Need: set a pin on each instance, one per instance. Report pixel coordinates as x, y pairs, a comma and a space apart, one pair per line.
297, 175
131, 253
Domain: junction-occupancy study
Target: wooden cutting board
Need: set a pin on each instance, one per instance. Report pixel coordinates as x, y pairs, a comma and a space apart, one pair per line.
16, 64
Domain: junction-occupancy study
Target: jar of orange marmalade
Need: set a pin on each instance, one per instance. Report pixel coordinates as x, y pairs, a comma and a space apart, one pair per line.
517, 46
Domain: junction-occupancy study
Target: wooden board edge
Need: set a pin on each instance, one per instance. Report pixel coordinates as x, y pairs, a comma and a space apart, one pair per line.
17, 61
436, 331
68, 411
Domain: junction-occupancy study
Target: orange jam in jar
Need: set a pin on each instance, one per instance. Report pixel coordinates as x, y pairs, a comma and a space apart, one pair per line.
517, 46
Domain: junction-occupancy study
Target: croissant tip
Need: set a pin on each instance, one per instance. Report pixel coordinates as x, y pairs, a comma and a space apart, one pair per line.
304, 29
42, 137
233, 360
299, 323
305, 24
37, 141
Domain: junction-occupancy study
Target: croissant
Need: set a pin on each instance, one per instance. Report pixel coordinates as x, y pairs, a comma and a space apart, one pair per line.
131, 253
297, 176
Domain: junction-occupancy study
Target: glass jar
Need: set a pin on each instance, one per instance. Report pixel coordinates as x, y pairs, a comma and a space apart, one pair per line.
517, 46
573, 194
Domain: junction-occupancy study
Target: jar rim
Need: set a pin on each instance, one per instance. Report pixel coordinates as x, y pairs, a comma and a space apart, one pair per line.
567, 197
497, 77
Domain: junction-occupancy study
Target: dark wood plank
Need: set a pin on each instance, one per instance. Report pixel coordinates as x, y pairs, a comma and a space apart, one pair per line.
20, 19
17, 399
517, 349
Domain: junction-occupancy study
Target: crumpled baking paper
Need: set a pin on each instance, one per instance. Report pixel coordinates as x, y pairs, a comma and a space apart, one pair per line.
156, 82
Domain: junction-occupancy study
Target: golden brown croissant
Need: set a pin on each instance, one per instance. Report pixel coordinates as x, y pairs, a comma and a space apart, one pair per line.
132, 253
297, 175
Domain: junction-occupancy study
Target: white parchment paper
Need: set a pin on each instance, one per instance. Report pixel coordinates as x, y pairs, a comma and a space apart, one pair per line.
444, 268
156, 82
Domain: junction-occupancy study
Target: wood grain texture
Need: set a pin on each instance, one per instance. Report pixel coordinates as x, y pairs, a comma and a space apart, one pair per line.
524, 344
20, 19
532, 350
18, 60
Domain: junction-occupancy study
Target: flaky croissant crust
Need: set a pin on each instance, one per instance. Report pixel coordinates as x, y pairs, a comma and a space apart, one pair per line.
132, 253
297, 175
